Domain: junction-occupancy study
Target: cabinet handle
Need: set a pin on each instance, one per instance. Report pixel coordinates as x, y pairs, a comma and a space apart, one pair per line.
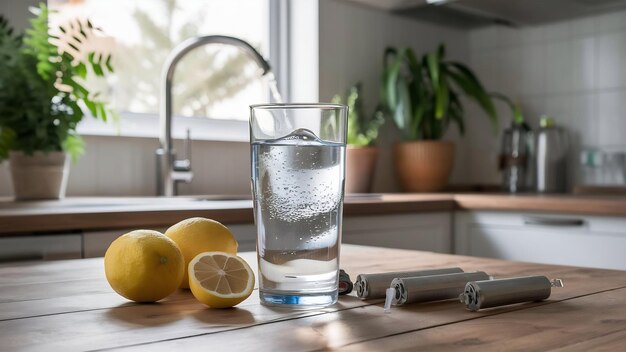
539, 221
21, 257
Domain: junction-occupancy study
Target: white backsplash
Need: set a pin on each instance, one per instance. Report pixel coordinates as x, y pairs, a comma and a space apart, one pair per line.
124, 166
574, 71
352, 41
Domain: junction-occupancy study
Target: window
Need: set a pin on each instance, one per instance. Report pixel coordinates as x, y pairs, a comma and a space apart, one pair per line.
213, 81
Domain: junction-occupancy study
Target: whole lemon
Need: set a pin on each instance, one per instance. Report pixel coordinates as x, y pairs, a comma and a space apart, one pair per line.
196, 235
144, 266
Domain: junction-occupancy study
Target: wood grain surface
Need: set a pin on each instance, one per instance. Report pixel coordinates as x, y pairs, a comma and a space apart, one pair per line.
68, 305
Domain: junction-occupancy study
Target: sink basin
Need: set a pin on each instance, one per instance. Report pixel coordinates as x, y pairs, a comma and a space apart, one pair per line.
221, 198
116, 202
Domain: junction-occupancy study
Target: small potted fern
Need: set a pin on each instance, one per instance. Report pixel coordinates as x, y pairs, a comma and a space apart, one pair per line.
424, 98
42, 97
361, 154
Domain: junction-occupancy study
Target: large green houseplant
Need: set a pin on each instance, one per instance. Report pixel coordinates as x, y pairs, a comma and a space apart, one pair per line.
361, 153
423, 96
42, 97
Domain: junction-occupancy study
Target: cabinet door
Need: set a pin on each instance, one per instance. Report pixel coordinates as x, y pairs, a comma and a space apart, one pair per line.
245, 235
424, 231
588, 241
97, 242
40, 247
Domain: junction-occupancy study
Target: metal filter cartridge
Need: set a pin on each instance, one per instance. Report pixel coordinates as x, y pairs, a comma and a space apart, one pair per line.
371, 286
494, 293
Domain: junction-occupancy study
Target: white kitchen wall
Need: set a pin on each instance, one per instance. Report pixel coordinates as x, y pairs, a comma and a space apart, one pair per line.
352, 40
125, 166
573, 70
16, 11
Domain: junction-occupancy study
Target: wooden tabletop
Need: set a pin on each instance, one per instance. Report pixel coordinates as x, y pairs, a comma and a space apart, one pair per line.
106, 213
68, 305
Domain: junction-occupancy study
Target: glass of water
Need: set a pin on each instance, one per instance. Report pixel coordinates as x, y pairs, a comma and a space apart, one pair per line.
298, 170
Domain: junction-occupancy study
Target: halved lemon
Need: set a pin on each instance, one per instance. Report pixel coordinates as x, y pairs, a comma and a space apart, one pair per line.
220, 280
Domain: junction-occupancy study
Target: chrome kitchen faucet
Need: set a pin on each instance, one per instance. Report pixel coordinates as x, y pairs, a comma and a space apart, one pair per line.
170, 170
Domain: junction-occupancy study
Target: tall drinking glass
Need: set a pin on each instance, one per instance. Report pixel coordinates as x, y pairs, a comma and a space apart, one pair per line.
298, 171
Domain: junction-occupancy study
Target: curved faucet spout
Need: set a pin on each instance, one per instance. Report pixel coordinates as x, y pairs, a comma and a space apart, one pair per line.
170, 170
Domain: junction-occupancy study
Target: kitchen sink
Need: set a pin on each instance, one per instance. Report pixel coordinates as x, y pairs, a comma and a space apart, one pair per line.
117, 202
143, 202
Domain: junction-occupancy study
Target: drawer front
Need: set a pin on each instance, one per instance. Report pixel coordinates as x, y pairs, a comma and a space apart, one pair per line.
245, 235
589, 241
42, 247
593, 249
427, 232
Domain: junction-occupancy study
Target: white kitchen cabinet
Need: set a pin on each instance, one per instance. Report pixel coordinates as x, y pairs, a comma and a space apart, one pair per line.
95, 243
590, 241
423, 231
245, 235
46, 247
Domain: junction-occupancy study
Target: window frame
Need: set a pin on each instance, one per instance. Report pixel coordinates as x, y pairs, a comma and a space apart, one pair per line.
146, 125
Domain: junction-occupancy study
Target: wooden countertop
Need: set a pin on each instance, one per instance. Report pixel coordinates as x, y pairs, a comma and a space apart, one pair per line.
91, 213
68, 305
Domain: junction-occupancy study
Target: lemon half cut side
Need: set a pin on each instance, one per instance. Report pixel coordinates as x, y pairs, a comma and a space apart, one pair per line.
219, 279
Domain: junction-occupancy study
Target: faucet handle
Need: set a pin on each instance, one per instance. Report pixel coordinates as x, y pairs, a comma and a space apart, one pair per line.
188, 147
185, 163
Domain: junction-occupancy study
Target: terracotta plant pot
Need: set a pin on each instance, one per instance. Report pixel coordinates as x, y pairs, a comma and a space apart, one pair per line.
360, 165
39, 176
423, 166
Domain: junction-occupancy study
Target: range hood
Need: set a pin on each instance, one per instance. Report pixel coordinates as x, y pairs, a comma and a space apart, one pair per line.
476, 13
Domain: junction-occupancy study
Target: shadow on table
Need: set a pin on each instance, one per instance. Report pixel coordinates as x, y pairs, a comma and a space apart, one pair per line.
225, 316
145, 314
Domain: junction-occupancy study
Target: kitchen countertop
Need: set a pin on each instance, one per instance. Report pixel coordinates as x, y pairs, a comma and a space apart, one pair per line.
92, 213
68, 305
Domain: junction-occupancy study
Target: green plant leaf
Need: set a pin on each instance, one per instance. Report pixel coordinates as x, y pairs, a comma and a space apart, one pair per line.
81, 70
456, 112
7, 139
441, 52
402, 112
108, 64
432, 61
391, 77
472, 86
441, 100
516, 110
74, 146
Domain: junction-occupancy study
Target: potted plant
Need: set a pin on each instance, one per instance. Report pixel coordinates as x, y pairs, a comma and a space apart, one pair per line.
423, 97
362, 132
42, 96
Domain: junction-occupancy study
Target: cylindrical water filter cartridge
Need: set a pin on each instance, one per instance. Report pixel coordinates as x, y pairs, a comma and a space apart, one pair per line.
432, 288
370, 286
493, 293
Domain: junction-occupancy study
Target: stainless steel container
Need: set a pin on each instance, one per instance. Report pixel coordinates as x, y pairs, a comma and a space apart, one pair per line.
516, 159
551, 157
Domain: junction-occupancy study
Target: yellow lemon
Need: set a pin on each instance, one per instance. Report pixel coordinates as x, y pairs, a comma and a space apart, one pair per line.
144, 266
196, 235
220, 280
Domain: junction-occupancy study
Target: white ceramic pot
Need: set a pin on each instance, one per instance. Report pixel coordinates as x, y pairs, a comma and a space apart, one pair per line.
40, 175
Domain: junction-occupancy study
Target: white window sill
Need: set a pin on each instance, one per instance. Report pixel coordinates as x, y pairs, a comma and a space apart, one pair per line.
147, 126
